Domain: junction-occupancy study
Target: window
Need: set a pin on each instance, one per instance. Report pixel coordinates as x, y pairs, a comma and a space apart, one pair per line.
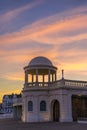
42, 106
30, 106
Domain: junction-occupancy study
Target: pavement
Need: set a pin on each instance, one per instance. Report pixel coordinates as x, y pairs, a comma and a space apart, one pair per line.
10, 124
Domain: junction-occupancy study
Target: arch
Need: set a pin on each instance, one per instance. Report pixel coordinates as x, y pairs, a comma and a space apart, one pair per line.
79, 107
30, 106
43, 106
55, 108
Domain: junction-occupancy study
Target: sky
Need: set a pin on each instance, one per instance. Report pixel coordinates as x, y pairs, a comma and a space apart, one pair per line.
56, 29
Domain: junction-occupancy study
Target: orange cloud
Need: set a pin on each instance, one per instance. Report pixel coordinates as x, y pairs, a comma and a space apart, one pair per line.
53, 33
48, 31
49, 34
18, 76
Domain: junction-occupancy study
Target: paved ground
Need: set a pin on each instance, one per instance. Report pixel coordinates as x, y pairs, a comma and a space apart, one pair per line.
18, 125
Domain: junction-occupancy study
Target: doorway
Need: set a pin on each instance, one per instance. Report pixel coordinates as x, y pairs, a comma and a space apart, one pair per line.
55, 110
79, 107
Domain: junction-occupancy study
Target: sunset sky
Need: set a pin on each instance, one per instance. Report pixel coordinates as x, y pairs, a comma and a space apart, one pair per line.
56, 29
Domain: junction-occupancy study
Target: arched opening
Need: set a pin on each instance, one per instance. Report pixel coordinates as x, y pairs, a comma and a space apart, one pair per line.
55, 110
79, 107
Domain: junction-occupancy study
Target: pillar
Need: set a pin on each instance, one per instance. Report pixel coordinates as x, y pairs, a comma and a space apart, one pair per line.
55, 76
32, 78
43, 78
26, 77
62, 74
52, 77
48, 75
65, 107
36, 75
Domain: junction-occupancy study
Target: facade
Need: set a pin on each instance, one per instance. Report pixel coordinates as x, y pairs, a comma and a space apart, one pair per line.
7, 103
46, 98
17, 107
0, 108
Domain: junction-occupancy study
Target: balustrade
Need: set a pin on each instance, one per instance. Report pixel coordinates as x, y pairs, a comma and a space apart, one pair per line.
75, 83
59, 83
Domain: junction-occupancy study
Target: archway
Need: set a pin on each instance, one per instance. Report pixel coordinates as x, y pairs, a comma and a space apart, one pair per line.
79, 107
55, 110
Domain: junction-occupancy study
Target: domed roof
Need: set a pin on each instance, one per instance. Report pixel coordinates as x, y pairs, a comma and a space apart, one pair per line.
40, 60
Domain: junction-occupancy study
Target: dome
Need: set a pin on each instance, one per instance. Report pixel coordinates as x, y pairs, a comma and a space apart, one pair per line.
40, 60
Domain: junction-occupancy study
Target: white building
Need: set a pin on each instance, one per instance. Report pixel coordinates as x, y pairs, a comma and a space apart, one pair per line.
45, 98
7, 103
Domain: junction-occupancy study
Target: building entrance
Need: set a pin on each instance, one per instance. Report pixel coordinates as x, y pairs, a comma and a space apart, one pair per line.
79, 107
56, 111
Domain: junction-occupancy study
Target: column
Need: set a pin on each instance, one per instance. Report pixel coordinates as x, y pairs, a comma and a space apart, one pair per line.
36, 75
32, 78
65, 107
43, 78
49, 76
62, 74
55, 76
52, 77
26, 77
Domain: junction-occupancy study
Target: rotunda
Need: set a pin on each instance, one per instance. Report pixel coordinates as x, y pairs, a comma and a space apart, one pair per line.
39, 75
46, 98
40, 70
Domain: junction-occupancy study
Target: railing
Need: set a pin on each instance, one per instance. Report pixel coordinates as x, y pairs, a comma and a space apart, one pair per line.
58, 83
39, 84
75, 83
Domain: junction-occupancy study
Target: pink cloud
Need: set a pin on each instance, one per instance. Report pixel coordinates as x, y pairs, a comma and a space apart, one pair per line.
45, 32
49, 33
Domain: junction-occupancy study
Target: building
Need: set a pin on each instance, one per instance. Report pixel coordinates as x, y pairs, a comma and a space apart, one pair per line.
0, 108
17, 107
7, 103
46, 98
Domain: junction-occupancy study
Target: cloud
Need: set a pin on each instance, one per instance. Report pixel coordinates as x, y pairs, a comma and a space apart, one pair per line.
11, 14
18, 76
49, 31
28, 42
79, 45
61, 37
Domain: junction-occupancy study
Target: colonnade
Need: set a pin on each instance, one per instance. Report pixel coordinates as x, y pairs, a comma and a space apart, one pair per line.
51, 76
